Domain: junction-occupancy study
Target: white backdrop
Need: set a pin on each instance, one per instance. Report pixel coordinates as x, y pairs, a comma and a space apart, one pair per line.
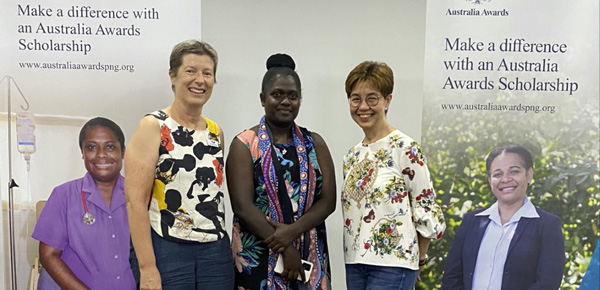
326, 39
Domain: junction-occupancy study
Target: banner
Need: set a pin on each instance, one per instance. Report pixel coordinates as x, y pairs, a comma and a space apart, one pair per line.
92, 55
502, 72
72, 60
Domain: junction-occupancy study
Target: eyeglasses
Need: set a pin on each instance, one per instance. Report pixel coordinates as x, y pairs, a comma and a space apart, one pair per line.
371, 101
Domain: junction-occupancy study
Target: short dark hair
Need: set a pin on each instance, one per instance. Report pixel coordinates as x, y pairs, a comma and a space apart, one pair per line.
103, 122
518, 149
377, 74
195, 47
280, 64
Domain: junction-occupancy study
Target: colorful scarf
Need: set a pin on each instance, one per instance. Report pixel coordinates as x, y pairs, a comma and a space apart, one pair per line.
303, 143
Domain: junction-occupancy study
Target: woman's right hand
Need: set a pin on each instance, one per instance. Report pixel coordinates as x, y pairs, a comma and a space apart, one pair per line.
292, 264
282, 238
150, 279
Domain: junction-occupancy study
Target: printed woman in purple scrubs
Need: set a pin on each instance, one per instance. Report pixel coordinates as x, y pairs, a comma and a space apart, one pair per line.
83, 230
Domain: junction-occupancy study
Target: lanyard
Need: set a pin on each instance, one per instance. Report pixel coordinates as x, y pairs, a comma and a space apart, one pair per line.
88, 218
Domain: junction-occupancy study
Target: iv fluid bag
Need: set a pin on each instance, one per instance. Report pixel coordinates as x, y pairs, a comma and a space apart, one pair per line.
25, 133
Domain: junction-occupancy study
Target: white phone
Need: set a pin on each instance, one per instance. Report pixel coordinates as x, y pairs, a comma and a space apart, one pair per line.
305, 264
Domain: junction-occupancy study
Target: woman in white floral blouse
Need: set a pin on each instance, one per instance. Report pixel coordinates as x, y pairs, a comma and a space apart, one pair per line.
388, 200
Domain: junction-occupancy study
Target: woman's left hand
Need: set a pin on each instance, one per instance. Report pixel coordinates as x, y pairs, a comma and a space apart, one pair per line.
292, 265
282, 237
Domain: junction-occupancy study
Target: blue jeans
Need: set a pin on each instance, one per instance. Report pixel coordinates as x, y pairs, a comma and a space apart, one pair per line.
369, 277
188, 266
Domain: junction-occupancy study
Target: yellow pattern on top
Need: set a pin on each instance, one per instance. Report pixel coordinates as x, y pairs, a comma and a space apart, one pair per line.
158, 191
212, 126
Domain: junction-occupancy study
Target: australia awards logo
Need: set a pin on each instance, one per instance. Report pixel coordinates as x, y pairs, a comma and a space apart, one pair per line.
478, 1
476, 10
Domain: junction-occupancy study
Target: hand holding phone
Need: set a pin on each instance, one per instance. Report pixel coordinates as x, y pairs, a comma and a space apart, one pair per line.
306, 265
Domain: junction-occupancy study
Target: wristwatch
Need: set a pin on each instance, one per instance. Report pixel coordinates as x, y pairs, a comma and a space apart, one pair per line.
424, 261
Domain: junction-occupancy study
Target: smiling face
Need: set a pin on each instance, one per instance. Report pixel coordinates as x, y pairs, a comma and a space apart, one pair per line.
509, 178
281, 100
366, 116
194, 80
102, 154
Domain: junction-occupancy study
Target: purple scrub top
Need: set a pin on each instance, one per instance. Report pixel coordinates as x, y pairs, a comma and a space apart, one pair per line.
98, 254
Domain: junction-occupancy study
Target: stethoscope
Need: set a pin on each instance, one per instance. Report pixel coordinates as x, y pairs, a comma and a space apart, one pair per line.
88, 218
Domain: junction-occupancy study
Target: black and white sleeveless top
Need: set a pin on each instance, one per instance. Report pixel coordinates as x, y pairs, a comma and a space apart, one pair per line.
187, 196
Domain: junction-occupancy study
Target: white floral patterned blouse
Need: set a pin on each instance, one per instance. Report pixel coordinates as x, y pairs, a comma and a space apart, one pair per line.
387, 198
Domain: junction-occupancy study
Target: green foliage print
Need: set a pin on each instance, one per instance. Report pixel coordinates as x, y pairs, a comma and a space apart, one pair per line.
566, 182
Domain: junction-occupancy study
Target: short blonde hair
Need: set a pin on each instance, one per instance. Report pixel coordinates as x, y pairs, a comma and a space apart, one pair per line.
191, 46
377, 74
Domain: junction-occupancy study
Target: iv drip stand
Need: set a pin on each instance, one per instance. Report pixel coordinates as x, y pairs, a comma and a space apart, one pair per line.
11, 184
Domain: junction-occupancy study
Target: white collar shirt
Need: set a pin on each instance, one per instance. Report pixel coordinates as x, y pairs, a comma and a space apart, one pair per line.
495, 243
